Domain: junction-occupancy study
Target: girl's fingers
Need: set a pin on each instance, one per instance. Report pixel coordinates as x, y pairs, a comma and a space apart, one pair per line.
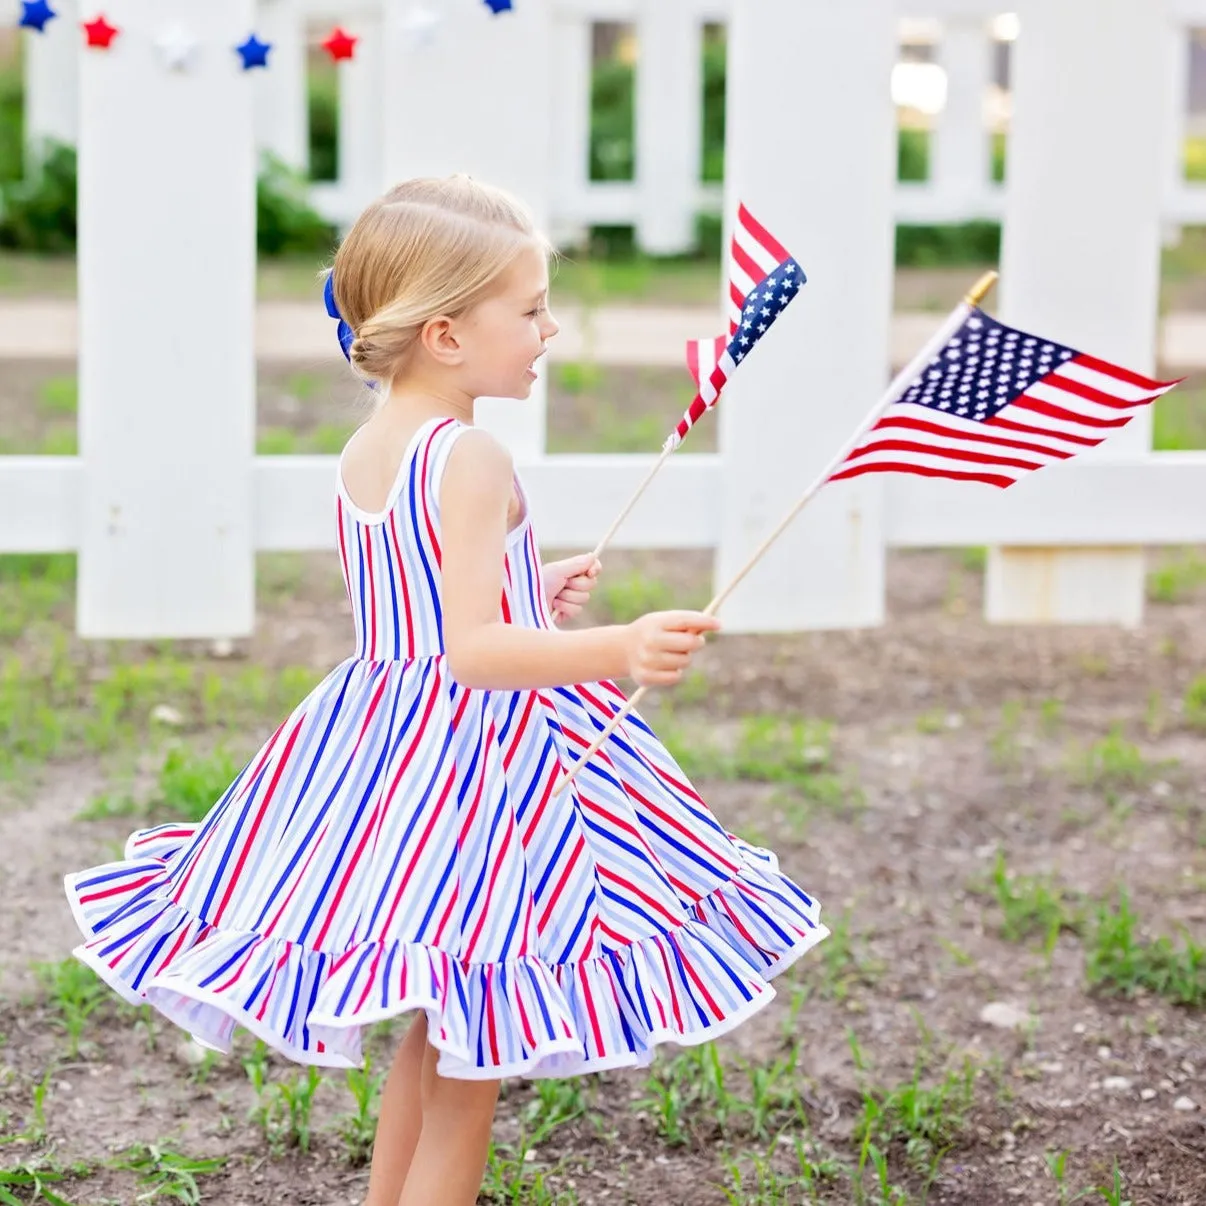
680, 642
576, 597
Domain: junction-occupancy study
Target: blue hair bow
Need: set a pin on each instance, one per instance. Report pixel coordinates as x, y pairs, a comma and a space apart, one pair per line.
346, 335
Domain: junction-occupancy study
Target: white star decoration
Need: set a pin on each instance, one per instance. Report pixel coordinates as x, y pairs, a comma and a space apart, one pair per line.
420, 25
178, 48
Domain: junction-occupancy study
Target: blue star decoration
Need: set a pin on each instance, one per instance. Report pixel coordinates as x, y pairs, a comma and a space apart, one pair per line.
499, 6
254, 52
35, 14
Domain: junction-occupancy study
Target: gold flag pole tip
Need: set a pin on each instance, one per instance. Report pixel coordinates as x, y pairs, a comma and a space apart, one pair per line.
982, 288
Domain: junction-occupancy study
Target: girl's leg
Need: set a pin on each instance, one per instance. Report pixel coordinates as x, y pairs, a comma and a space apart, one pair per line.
400, 1120
451, 1156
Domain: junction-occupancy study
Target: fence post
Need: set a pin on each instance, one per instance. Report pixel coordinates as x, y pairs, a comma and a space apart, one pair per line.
669, 124
820, 174
166, 294
962, 163
491, 78
281, 105
570, 117
52, 85
1082, 254
1176, 118
361, 168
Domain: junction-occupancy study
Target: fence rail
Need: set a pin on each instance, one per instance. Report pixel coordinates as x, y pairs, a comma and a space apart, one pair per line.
167, 508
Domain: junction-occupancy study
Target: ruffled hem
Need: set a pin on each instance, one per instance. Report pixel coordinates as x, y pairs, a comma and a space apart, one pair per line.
524, 1017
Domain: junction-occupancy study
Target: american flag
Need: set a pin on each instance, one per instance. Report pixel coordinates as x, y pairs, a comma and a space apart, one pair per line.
996, 403
763, 280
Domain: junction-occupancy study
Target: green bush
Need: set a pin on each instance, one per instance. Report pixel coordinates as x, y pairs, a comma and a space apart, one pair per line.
324, 121
940, 246
715, 66
612, 121
285, 222
913, 156
38, 214
12, 125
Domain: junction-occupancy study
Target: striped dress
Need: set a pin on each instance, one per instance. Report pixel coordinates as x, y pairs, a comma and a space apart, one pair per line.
397, 845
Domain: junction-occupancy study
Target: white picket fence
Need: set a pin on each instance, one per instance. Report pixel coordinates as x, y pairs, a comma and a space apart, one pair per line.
167, 505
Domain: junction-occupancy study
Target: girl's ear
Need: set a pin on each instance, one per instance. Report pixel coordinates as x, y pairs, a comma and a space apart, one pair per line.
439, 339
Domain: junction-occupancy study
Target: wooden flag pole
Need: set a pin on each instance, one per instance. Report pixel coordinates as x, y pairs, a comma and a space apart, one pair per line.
898, 388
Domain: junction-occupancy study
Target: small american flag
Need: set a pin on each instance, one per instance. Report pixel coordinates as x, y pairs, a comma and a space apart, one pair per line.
996, 403
763, 280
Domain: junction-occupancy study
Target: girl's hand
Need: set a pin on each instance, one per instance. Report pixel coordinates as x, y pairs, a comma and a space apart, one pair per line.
567, 585
659, 646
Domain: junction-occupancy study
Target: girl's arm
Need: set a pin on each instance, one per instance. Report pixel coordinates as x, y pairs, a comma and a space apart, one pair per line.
487, 654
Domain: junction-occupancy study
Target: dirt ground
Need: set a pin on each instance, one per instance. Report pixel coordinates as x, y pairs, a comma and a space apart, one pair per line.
890, 769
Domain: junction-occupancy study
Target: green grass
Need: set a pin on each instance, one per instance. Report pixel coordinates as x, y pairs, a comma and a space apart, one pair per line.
1113, 764
1195, 702
1178, 578
33, 1179
918, 1120
163, 1173
326, 439
59, 397
1119, 961
1031, 907
74, 992
795, 754
61, 698
622, 598
358, 1127
1179, 421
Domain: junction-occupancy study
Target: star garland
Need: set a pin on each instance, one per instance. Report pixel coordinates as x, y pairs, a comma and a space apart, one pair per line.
179, 48
35, 14
98, 33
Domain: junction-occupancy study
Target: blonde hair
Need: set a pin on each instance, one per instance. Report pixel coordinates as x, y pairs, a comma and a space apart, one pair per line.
428, 247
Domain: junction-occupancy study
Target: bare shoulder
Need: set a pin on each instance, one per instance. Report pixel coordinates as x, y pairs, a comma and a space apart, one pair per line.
479, 468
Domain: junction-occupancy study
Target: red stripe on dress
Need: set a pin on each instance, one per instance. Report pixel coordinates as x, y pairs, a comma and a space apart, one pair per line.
653, 904
367, 539
368, 982
590, 1011
271, 984
298, 880
717, 1012
678, 1017
167, 959
410, 624
579, 846
435, 814
248, 779
711, 851
120, 889
491, 1030
250, 837
353, 866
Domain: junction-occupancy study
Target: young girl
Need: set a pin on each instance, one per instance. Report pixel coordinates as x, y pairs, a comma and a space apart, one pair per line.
397, 846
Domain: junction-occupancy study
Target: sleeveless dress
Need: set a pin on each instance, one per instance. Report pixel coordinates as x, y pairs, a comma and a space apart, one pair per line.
396, 845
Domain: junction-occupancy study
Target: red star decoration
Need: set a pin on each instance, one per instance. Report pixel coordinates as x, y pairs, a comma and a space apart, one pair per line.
100, 33
340, 44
